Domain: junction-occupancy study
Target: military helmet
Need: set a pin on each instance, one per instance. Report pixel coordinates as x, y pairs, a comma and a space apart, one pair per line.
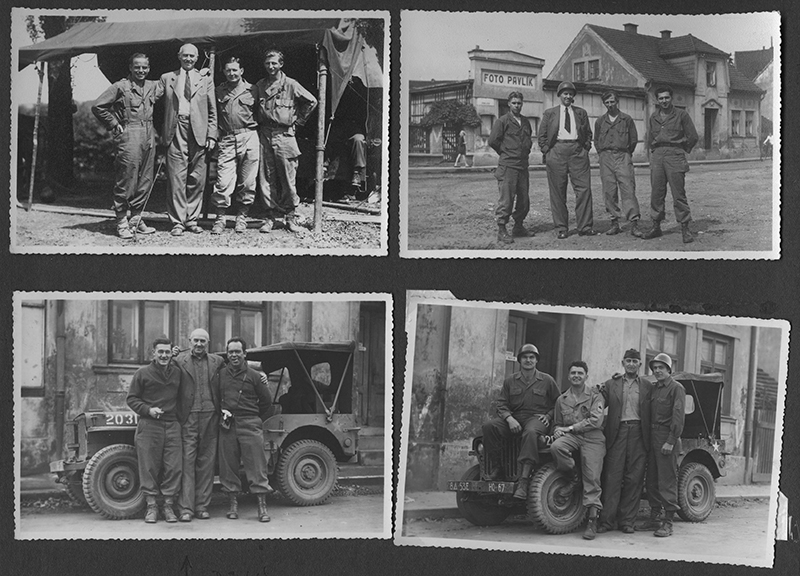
566, 86
664, 359
527, 349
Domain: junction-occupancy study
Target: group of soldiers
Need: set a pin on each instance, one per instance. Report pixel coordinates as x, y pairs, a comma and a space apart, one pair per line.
565, 138
638, 431
252, 127
197, 410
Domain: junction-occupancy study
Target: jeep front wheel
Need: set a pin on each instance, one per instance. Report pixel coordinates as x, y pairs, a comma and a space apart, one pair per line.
476, 508
696, 492
307, 473
111, 482
75, 492
552, 506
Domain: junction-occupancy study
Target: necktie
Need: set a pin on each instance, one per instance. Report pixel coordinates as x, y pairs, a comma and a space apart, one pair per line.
187, 86
567, 125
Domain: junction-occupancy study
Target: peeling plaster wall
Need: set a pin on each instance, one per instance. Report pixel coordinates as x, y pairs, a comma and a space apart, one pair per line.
334, 321
291, 321
769, 349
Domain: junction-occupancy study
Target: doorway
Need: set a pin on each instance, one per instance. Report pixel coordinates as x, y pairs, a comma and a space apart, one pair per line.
710, 127
372, 363
541, 330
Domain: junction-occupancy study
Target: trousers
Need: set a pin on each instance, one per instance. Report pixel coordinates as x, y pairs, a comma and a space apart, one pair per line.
662, 473
186, 170
497, 429
592, 446
244, 442
199, 437
569, 160
668, 165
623, 475
159, 455
133, 165
237, 169
513, 185
277, 171
619, 184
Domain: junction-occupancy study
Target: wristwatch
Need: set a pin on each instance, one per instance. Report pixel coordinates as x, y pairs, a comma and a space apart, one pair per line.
572, 429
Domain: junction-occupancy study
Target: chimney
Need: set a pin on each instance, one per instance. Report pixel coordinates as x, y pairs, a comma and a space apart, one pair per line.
631, 28
666, 34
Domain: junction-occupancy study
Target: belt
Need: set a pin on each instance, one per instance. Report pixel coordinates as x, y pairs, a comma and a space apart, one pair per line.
567, 141
235, 131
613, 150
274, 125
631, 422
138, 122
183, 117
666, 145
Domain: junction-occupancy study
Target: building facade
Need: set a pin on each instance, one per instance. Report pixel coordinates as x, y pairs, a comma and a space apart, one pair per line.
79, 355
462, 355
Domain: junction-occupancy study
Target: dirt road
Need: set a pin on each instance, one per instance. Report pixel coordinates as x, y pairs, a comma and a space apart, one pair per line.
735, 533
731, 207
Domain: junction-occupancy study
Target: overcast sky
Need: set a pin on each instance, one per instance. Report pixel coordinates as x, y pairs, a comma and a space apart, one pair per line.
435, 44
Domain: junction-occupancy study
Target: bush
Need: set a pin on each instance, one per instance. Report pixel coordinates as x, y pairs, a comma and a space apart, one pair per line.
94, 145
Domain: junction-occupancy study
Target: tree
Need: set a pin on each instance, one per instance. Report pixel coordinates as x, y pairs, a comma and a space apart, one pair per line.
453, 112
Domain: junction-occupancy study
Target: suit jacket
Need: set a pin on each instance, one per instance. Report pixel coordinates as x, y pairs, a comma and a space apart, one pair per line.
548, 128
203, 107
189, 386
612, 392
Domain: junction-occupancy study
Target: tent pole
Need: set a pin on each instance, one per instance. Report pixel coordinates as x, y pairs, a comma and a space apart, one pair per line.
40, 70
322, 83
206, 199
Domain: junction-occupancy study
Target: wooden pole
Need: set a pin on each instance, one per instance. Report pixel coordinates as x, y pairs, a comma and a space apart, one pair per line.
206, 198
322, 85
40, 70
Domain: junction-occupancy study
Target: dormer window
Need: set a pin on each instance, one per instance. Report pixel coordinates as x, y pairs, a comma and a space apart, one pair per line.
711, 73
579, 72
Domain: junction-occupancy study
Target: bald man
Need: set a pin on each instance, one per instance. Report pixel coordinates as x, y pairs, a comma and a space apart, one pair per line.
189, 132
198, 413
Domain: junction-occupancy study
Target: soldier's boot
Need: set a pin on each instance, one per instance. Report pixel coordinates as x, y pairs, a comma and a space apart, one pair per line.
519, 231
688, 237
635, 230
151, 516
591, 525
503, 236
138, 226
615, 229
219, 223
521, 492
233, 506
573, 481
263, 516
652, 523
291, 223
169, 513
241, 221
123, 226
267, 226
666, 525
654, 232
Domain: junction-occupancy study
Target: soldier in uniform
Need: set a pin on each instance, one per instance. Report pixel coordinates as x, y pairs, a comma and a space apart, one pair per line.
579, 426
524, 406
627, 432
153, 395
245, 404
126, 110
282, 104
667, 411
238, 149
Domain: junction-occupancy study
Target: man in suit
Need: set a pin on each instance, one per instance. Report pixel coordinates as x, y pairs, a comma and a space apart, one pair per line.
189, 132
198, 411
565, 139
627, 432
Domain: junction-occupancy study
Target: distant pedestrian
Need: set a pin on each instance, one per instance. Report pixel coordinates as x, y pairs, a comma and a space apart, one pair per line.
462, 150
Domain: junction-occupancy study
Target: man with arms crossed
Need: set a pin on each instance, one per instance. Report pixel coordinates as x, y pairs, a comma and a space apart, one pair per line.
126, 110
245, 404
579, 426
524, 406
153, 395
627, 432
189, 132
615, 140
667, 411
511, 139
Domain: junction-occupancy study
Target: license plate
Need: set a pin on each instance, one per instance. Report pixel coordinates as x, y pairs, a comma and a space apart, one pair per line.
121, 418
481, 486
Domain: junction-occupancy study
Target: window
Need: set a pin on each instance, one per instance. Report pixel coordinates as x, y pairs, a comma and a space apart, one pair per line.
667, 338
594, 69
133, 325
716, 355
579, 72
711, 73
30, 357
243, 319
736, 118
748, 123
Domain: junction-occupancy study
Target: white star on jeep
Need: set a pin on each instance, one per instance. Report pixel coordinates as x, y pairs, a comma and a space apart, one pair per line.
715, 446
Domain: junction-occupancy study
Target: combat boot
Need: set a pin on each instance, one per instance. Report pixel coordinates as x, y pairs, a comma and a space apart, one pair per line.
521, 493
169, 513
573, 481
233, 510
503, 236
615, 229
151, 516
263, 516
267, 226
665, 529
688, 237
654, 232
519, 231
635, 230
291, 223
138, 226
123, 227
219, 224
241, 220
652, 523
591, 525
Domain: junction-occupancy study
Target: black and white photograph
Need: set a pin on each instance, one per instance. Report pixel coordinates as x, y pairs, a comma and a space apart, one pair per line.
177, 416
560, 135
591, 432
178, 131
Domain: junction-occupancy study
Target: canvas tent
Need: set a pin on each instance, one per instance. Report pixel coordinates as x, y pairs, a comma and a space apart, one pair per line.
338, 46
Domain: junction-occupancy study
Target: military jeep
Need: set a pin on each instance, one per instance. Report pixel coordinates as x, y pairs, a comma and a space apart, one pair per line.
311, 427
555, 508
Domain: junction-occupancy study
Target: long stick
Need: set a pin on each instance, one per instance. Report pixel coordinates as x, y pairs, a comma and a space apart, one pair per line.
211, 60
322, 84
40, 70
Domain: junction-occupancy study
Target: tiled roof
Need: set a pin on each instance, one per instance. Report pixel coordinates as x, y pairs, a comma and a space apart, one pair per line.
741, 82
752, 62
425, 84
687, 45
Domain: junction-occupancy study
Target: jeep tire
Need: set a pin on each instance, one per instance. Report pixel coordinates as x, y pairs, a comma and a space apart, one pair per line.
476, 508
75, 491
307, 473
548, 507
111, 482
696, 492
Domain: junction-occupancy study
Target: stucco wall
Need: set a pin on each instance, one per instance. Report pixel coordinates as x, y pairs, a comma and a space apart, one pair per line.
587, 46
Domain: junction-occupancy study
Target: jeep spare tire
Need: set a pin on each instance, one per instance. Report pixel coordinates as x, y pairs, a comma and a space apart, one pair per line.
696, 492
476, 508
307, 473
111, 482
551, 506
